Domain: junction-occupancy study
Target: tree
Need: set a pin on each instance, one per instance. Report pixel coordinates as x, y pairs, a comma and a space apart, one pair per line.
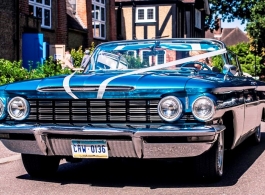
256, 28
230, 10
252, 11
249, 62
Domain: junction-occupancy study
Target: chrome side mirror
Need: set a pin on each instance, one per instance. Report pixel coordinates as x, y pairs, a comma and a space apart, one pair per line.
229, 69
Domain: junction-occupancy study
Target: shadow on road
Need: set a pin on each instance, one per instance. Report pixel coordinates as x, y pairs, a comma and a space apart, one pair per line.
153, 173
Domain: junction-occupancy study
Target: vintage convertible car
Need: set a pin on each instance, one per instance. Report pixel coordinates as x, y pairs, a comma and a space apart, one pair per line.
146, 99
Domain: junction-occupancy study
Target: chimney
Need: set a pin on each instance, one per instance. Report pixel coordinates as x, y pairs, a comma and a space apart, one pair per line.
217, 30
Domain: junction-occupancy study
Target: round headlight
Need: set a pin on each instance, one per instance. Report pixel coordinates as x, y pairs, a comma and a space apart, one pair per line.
169, 108
18, 108
203, 108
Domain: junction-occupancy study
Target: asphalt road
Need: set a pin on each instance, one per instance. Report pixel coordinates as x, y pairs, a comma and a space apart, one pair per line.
244, 174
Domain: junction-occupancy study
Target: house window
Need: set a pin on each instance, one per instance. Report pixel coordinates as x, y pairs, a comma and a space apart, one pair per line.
131, 53
198, 19
161, 57
145, 14
41, 9
151, 59
99, 18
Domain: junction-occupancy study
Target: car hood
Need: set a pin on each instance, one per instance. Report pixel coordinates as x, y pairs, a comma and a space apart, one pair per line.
82, 86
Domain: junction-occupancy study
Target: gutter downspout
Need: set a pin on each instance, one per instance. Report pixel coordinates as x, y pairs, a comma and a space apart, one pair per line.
16, 5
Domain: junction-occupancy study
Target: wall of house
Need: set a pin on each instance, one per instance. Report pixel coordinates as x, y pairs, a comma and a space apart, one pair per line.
7, 29
111, 21
76, 39
61, 26
127, 23
81, 11
165, 24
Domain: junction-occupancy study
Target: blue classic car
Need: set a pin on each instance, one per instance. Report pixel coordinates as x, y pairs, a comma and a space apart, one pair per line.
145, 99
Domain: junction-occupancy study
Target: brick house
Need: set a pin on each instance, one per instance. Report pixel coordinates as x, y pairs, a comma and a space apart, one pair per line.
28, 26
147, 19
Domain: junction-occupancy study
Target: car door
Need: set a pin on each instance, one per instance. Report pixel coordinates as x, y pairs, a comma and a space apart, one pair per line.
251, 101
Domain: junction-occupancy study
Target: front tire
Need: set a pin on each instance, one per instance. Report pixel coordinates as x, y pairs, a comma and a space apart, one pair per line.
210, 164
40, 166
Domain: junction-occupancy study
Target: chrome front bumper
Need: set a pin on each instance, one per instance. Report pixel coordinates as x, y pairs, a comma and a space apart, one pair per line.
56, 140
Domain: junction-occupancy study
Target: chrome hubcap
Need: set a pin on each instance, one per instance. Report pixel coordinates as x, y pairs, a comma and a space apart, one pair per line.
220, 154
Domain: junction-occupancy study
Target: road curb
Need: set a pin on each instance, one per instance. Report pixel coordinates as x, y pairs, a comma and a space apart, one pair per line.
10, 159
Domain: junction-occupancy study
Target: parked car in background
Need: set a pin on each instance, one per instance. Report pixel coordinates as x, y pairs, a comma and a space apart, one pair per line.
144, 99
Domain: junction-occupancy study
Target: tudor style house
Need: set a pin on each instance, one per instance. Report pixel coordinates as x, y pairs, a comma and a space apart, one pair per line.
32, 30
147, 19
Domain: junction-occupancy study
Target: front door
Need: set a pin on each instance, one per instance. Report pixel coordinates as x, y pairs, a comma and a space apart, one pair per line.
32, 50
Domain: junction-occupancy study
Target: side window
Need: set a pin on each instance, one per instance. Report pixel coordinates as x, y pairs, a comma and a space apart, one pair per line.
232, 60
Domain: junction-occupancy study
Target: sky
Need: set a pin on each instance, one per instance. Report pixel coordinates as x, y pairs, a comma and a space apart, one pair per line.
236, 23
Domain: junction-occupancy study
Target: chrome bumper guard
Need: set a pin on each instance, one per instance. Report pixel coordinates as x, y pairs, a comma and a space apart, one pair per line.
199, 140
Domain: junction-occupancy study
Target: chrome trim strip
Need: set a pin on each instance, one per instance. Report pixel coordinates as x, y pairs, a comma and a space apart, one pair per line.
221, 90
86, 130
260, 88
84, 89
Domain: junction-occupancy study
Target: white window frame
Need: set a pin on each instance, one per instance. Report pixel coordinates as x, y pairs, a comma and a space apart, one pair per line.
142, 58
98, 21
137, 20
164, 57
43, 6
150, 57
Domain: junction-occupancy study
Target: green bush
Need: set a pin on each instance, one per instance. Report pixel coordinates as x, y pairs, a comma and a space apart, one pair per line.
48, 69
11, 71
77, 55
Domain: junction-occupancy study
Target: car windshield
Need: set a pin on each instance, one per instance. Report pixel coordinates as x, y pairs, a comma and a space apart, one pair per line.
173, 54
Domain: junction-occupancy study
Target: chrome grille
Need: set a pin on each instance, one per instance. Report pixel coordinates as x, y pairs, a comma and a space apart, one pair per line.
96, 111
73, 111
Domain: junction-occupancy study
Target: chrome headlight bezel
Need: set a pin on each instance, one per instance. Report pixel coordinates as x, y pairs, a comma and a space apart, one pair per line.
22, 109
178, 105
209, 114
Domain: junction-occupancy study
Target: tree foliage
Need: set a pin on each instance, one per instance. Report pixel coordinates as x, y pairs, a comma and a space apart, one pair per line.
250, 11
250, 63
229, 10
256, 28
